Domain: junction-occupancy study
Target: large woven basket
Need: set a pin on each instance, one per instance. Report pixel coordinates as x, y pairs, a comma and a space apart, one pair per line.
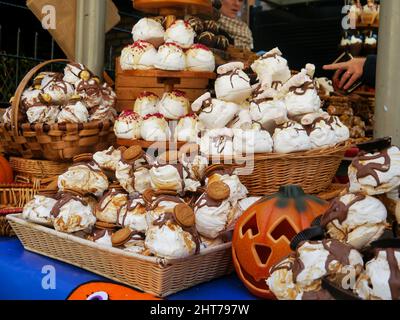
156, 276
57, 142
38, 169
312, 170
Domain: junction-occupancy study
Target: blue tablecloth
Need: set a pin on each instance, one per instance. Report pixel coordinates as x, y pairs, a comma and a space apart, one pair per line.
21, 278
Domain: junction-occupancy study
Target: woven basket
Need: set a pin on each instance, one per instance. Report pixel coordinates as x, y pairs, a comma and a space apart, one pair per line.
37, 168
156, 276
312, 170
57, 142
13, 198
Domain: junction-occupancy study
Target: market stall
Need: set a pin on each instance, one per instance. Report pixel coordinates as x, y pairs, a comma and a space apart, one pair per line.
205, 171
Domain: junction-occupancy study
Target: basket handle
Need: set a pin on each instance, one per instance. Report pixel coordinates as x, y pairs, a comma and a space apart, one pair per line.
20, 89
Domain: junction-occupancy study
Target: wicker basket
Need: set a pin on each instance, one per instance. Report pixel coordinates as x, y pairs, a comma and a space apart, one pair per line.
312, 170
38, 169
13, 198
57, 142
156, 276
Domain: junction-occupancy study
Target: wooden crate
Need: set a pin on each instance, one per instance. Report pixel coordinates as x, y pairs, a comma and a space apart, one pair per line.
129, 84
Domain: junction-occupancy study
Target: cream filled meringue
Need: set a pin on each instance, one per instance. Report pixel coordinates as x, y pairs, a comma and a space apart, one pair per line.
242, 121
380, 280
165, 238
217, 142
200, 58
216, 114
140, 55
321, 134
237, 190
72, 213
109, 205
146, 103
174, 105
355, 219
75, 72
300, 95
128, 125
155, 128
252, 141
170, 56
84, 178
38, 210
43, 114
181, 33
291, 137
187, 128
75, 111
376, 173
102, 113
90, 91
57, 92
148, 30
133, 177
272, 69
233, 85
133, 214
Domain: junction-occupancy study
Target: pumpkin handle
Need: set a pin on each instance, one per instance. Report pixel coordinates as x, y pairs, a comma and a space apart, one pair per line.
20, 89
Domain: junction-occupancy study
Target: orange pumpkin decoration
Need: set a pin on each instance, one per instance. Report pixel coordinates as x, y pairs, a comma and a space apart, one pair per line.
6, 172
263, 233
99, 290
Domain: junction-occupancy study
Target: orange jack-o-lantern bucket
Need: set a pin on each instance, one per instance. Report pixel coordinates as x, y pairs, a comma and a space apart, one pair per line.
263, 233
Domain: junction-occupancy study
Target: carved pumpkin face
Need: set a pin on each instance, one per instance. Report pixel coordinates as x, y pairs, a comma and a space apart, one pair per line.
263, 233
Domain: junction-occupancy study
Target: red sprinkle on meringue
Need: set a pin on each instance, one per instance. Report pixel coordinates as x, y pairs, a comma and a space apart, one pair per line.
200, 46
172, 44
145, 94
179, 93
154, 115
190, 115
128, 114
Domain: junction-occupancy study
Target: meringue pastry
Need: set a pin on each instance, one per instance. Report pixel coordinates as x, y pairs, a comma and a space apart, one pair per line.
181, 33
170, 56
291, 137
75, 72
128, 125
30, 97
174, 105
272, 69
109, 205
140, 55
108, 159
132, 176
376, 173
146, 103
155, 128
42, 114
57, 92
200, 58
148, 30
238, 191
355, 219
38, 210
84, 178
217, 142
72, 213
252, 141
300, 95
90, 91
133, 214
380, 280
75, 111
102, 113
187, 129
101, 237
233, 85
166, 238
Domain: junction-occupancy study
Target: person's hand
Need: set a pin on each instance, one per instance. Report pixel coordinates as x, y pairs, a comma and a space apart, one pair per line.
346, 72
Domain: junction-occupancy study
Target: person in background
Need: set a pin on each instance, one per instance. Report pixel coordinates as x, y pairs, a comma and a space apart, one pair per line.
236, 28
347, 73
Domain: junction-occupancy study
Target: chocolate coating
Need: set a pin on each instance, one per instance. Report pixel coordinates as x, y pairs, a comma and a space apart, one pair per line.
208, 39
